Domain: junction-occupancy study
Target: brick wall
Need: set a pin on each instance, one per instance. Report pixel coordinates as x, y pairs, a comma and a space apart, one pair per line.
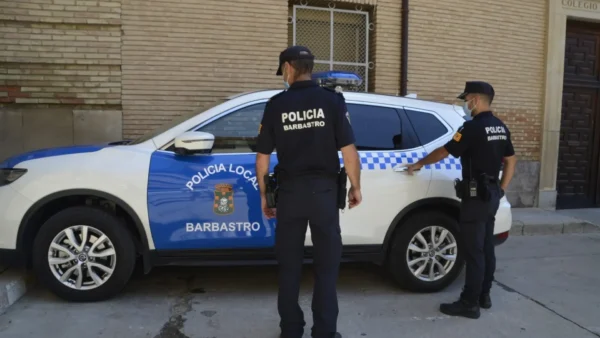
179, 55
162, 58
499, 42
62, 58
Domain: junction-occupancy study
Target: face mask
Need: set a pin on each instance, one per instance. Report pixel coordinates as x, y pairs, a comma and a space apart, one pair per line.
285, 82
468, 112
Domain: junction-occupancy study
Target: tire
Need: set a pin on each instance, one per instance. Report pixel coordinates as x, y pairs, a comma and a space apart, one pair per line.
398, 265
98, 222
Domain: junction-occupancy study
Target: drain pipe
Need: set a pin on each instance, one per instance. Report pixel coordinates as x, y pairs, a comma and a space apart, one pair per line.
404, 52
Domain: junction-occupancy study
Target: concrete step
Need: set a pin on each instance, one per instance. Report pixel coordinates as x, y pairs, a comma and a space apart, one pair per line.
535, 221
13, 285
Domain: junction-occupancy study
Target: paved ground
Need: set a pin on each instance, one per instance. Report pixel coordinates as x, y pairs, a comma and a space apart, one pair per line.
547, 286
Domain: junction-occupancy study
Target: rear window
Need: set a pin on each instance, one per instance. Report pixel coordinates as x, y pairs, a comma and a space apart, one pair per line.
427, 126
375, 128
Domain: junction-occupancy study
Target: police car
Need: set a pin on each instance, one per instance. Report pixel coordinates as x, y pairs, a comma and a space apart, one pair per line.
186, 194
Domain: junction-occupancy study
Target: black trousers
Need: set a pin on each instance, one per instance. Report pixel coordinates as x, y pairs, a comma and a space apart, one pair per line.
477, 219
303, 201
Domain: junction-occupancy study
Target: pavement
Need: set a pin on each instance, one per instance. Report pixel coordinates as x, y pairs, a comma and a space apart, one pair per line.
546, 286
526, 222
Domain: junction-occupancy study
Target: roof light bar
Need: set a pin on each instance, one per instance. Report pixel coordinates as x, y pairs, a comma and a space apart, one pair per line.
334, 78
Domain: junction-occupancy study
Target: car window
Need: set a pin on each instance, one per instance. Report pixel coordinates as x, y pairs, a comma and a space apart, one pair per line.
375, 128
427, 126
237, 131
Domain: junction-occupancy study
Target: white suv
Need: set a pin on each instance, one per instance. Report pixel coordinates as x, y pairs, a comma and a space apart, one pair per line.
83, 216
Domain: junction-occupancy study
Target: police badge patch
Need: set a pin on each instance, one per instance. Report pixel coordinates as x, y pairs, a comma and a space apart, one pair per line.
223, 203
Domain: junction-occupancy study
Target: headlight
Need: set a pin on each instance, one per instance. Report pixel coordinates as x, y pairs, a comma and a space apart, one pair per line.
7, 176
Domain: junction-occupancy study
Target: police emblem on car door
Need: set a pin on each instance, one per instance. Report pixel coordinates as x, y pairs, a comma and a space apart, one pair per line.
223, 204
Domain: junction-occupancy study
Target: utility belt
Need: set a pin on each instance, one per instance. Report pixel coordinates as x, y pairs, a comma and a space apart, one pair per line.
273, 182
476, 187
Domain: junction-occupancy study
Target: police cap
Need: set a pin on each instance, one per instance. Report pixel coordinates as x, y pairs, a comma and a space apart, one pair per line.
294, 53
477, 87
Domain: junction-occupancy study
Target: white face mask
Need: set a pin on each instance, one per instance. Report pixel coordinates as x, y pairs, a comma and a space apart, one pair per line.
285, 82
468, 112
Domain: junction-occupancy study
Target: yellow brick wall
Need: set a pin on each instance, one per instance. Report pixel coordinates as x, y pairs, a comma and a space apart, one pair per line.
163, 58
387, 42
60, 52
503, 43
179, 55
60, 73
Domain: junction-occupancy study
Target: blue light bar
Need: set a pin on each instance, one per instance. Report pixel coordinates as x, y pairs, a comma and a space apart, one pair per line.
335, 78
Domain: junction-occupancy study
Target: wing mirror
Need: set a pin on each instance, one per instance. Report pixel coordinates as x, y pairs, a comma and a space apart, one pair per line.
194, 142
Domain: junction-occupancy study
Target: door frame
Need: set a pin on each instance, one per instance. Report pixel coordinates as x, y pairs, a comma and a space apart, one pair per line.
558, 13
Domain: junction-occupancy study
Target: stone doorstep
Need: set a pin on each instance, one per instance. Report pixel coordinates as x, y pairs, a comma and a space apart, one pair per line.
520, 228
13, 285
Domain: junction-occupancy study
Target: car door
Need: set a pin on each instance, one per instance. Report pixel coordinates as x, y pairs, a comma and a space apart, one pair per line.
211, 201
384, 140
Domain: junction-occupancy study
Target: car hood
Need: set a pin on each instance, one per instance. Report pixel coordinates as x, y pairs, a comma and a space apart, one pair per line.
57, 151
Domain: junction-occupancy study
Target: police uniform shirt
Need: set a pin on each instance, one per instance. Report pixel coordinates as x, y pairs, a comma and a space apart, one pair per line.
481, 143
306, 125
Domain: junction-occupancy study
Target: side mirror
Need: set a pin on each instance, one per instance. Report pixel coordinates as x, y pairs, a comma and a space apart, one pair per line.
194, 142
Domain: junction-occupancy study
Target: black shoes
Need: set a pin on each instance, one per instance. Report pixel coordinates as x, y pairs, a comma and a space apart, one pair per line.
485, 301
461, 308
335, 335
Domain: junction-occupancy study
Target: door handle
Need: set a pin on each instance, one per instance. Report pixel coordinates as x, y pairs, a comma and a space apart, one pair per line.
401, 168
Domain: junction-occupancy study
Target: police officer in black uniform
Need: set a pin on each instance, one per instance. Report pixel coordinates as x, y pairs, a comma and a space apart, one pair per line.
307, 125
483, 144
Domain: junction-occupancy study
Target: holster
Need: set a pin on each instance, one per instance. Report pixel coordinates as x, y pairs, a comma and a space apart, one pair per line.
475, 188
459, 188
342, 191
271, 191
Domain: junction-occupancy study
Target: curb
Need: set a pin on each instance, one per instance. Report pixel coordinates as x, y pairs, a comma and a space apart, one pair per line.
576, 227
13, 285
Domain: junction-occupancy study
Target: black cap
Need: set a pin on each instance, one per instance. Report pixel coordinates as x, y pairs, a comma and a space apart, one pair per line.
477, 87
294, 53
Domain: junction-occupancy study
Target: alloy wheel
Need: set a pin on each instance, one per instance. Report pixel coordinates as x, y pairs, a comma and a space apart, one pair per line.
82, 257
431, 253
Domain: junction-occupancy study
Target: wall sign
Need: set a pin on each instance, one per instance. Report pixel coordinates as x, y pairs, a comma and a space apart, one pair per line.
581, 4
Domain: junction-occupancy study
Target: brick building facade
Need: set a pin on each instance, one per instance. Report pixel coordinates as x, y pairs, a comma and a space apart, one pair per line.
75, 71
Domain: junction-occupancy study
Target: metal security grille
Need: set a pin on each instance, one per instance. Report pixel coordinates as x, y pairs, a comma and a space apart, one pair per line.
338, 38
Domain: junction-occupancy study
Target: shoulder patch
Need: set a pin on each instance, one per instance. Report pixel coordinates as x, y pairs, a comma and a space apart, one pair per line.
457, 136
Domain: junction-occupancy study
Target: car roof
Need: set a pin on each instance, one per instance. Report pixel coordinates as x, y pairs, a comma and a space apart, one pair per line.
359, 96
243, 98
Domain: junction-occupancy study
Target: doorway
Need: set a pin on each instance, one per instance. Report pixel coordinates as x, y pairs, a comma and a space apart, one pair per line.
577, 182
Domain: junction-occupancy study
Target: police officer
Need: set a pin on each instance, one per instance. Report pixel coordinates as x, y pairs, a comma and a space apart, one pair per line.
307, 124
482, 144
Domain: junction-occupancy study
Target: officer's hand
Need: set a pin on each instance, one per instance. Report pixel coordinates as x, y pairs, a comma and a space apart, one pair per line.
354, 197
268, 212
412, 167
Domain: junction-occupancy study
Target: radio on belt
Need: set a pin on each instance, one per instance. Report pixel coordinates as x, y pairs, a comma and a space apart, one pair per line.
337, 80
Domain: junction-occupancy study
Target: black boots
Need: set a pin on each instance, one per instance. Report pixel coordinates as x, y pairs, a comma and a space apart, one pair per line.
465, 309
461, 308
485, 301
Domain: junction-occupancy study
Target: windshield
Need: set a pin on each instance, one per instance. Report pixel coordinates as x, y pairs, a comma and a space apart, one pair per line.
177, 120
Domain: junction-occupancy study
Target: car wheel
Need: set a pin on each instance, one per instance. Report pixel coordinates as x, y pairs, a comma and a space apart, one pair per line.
425, 255
84, 254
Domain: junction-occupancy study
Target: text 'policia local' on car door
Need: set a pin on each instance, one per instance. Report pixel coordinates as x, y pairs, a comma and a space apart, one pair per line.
211, 201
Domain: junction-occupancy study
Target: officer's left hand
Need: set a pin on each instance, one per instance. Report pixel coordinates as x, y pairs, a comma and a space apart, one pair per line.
268, 212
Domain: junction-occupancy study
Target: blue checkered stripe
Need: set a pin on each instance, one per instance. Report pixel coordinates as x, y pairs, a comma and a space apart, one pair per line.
381, 160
